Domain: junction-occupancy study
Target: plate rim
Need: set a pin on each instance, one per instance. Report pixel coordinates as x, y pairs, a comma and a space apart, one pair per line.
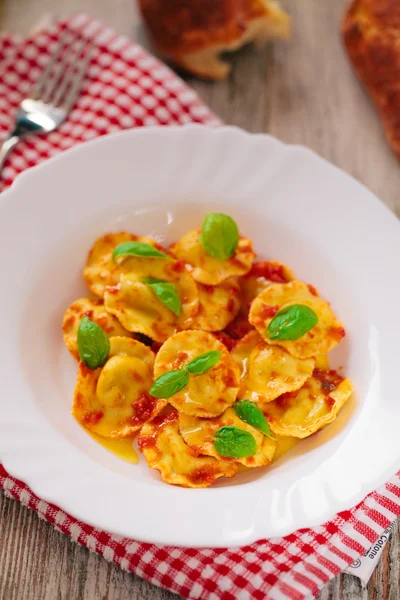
17, 469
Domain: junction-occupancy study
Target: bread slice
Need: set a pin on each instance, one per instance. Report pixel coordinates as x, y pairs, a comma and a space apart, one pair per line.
192, 34
371, 34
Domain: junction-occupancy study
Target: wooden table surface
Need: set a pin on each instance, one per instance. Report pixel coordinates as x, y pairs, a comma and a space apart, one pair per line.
302, 92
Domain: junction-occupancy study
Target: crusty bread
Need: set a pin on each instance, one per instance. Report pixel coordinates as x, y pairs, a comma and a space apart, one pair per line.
371, 33
193, 33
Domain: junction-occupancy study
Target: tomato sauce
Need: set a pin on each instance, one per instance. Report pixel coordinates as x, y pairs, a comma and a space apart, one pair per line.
209, 289
246, 247
239, 328
230, 307
68, 323
338, 333
92, 418
85, 371
144, 408
267, 311
150, 441
166, 419
284, 401
329, 380
235, 260
268, 270
202, 475
155, 346
225, 339
178, 266
104, 324
312, 290
113, 289
330, 402
146, 441
229, 379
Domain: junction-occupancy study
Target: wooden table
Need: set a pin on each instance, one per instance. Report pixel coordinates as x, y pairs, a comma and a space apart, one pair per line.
302, 92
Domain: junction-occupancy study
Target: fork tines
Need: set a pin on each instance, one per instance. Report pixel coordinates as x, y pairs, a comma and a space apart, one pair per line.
59, 84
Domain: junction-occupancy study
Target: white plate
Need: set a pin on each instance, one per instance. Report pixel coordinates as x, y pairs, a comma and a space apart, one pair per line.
296, 208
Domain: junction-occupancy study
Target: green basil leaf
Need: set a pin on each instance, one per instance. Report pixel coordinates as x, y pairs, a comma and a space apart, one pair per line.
292, 322
203, 363
166, 292
93, 344
249, 412
169, 384
219, 236
234, 442
137, 249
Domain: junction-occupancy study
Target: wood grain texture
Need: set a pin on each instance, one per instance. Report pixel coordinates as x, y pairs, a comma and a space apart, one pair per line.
303, 92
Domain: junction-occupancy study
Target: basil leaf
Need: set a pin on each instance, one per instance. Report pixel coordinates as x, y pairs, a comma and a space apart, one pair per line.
249, 412
169, 384
137, 249
203, 363
292, 322
93, 344
166, 292
219, 236
234, 442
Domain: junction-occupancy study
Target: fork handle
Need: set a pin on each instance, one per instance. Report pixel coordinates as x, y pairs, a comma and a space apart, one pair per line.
6, 148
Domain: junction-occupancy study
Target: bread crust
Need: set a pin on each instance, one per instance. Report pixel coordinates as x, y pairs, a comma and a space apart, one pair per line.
193, 33
371, 34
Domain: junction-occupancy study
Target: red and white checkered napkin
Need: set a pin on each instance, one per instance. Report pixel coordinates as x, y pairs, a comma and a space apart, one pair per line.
127, 88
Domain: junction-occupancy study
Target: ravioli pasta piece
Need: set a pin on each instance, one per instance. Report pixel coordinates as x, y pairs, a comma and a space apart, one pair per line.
171, 271
113, 401
302, 413
94, 309
200, 433
218, 305
268, 371
260, 276
100, 269
137, 307
207, 269
165, 450
326, 334
206, 395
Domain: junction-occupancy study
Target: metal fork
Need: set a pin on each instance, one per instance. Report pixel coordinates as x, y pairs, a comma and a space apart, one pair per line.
54, 94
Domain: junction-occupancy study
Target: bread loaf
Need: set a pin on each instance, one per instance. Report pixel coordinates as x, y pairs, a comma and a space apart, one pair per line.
371, 33
192, 34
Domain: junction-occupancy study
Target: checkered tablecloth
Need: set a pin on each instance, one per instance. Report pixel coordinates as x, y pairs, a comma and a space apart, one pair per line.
126, 87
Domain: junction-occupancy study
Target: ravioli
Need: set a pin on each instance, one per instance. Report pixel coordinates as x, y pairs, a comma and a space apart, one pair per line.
206, 395
137, 307
113, 401
94, 309
326, 334
218, 305
260, 276
302, 413
209, 270
165, 450
208, 305
200, 433
100, 269
268, 371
